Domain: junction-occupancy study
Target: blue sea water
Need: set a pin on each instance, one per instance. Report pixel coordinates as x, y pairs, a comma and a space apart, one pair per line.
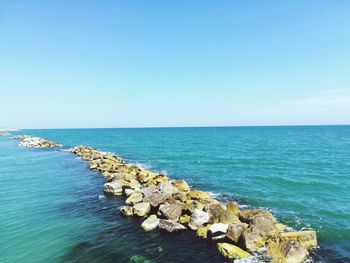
53, 209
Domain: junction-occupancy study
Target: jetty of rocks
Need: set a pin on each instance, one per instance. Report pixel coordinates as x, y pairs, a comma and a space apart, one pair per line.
4, 133
172, 205
35, 142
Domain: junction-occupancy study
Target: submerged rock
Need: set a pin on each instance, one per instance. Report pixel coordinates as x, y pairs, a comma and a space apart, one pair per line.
150, 223
170, 225
231, 251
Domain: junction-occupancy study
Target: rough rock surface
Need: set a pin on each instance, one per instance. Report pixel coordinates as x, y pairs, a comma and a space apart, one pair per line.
231, 251
150, 223
234, 231
142, 209
170, 225
198, 218
171, 211
113, 188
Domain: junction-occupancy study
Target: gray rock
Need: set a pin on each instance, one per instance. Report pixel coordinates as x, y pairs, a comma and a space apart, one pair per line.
170, 225
171, 211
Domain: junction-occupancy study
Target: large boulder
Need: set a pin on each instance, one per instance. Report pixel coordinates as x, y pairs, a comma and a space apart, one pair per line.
134, 198
288, 251
181, 185
113, 188
171, 211
261, 227
198, 218
248, 215
150, 223
231, 251
154, 196
307, 238
142, 209
170, 225
234, 231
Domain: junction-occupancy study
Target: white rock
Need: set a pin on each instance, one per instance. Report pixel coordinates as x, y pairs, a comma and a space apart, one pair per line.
113, 188
198, 218
150, 223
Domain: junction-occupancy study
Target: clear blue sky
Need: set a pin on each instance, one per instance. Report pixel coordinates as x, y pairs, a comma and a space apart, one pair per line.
174, 63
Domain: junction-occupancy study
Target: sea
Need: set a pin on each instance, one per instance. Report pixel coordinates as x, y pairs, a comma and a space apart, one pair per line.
52, 207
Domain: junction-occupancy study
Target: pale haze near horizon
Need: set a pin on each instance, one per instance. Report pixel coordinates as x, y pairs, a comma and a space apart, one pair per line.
174, 63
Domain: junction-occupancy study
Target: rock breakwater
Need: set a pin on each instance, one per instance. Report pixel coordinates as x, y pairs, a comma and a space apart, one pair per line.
171, 205
35, 142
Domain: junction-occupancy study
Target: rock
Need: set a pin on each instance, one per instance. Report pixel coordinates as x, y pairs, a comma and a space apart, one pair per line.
133, 184
232, 251
167, 188
248, 215
307, 238
235, 231
4, 133
289, 251
181, 185
197, 195
139, 259
134, 198
216, 213
192, 205
170, 225
128, 191
144, 176
181, 196
198, 218
142, 209
260, 229
232, 208
203, 231
184, 219
150, 223
127, 210
171, 211
154, 196
113, 188
218, 231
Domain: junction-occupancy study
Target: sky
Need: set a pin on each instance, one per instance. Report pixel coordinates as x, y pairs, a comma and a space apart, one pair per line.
72, 64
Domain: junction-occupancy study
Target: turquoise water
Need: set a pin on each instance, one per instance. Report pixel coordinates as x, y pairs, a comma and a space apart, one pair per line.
53, 209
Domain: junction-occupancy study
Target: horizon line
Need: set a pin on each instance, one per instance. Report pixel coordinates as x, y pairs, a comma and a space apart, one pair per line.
164, 127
